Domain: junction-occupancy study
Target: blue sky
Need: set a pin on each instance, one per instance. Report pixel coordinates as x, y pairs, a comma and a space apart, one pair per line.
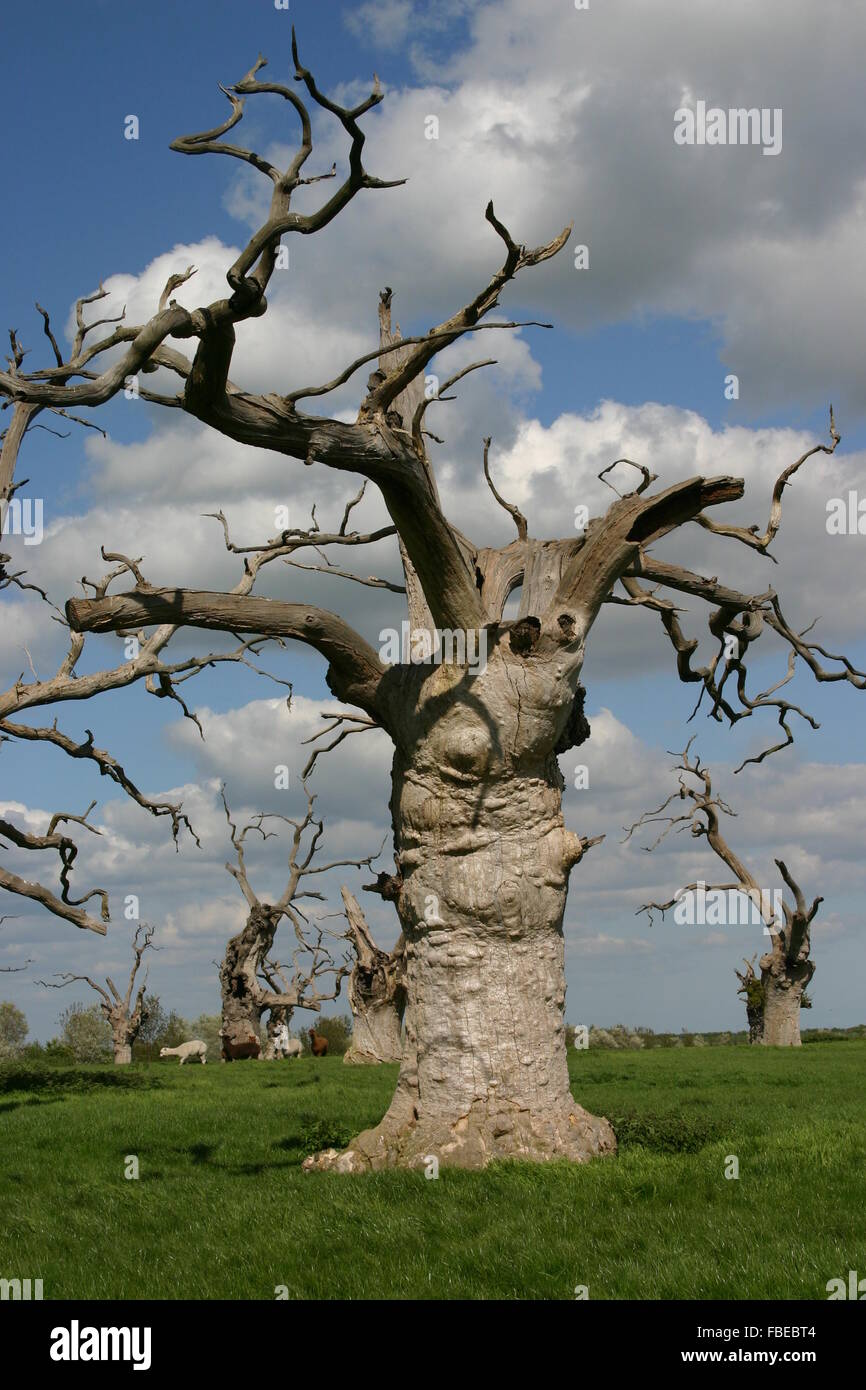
732, 263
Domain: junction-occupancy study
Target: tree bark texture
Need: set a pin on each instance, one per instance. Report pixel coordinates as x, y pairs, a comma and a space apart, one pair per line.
243, 998
484, 858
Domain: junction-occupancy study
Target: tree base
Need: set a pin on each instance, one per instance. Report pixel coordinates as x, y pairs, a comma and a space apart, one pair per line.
472, 1141
355, 1058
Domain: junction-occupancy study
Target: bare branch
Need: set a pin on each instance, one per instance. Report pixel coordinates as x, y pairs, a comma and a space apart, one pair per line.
515, 512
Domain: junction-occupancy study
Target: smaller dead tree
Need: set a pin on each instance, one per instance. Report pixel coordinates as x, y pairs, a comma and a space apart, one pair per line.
299, 987
251, 982
124, 1016
773, 998
752, 990
377, 992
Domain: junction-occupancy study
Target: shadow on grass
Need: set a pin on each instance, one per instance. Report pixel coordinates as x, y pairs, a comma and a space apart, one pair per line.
202, 1153
7, 1105
255, 1170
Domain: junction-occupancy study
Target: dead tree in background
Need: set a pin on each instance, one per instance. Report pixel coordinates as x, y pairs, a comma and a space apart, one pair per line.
482, 853
773, 1000
753, 993
377, 992
125, 1016
250, 982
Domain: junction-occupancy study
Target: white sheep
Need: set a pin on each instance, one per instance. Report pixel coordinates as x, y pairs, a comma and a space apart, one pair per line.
292, 1048
185, 1051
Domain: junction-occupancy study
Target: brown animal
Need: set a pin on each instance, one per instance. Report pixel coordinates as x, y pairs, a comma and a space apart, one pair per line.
233, 1049
318, 1044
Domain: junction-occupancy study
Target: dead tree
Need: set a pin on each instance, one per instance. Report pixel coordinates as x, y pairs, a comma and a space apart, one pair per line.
250, 981
752, 990
773, 999
125, 1014
377, 992
482, 853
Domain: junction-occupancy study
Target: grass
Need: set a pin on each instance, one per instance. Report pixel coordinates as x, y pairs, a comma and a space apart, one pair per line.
222, 1210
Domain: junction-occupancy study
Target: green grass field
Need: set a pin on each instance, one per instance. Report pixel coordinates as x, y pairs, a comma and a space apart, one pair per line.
222, 1210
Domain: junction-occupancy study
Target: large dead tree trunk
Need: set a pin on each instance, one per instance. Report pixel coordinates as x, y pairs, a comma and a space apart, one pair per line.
242, 995
784, 985
775, 997
377, 993
484, 859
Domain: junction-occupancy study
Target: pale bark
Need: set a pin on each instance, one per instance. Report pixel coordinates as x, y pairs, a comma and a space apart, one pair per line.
484, 859
775, 997
377, 993
782, 1010
377, 1031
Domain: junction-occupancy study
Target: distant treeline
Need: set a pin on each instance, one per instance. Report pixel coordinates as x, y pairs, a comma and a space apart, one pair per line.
85, 1035
619, 1035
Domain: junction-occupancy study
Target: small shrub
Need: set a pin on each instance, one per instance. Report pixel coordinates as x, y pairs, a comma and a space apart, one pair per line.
317, 1134
664, 1133
85, 1032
